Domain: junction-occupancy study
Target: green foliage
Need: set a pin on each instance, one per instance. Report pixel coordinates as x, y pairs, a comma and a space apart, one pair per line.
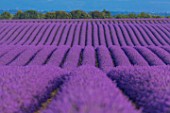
120, 16
156, 16
97, 14
6, 15
132, 15
50, 15
141, 15
62, 15
144, 15
76, 14
31, 14
42, 16
19, 15
106, 14
79, 14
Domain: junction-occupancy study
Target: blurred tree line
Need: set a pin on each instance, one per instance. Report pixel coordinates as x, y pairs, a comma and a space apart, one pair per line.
76, 14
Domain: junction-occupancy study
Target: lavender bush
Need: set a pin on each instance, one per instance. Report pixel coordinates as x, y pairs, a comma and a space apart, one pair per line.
58, 55
161, 53
73, 58
89, 56
104, 58
23, 89
89, 90
148, 87
150, 57
119, 57
134, 57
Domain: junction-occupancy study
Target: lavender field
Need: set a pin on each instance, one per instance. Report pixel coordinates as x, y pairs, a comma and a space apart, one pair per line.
85, 66
125, 32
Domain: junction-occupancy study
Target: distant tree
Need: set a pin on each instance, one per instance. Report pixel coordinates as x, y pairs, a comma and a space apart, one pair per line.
132, 15
41, 16
31, 14
62, 15
79, 14
120, 16
6, 15
19, 15
107, 14
144, 15
97, 14
156, 16
50, 15
76, 14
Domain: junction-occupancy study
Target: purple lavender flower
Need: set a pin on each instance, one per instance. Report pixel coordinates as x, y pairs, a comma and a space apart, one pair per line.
89, 57
23, 89
104, 58
150, 57
134, 57
148, 87
119, 57
72, 59
89, 90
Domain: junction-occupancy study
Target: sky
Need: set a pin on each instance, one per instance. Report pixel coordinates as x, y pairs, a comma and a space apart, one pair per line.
89, 5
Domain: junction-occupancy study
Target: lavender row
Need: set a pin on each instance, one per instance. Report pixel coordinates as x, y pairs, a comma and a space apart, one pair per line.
143, 21
85, 89
148, 87
84, 33
24, 89
72, 57
89, 90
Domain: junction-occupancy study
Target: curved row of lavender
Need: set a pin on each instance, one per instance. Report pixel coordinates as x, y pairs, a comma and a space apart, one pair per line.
23, 89
49, 89
89, 90
148, 87
91, 33
130, 20
72, 57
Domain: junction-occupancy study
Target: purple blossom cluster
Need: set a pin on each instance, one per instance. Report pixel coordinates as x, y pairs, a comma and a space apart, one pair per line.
134, 57
148, 87
119, 57
89, 56
72, 59
104, 58
89, 90
152, 58
161, 53
23, 89
57, 56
